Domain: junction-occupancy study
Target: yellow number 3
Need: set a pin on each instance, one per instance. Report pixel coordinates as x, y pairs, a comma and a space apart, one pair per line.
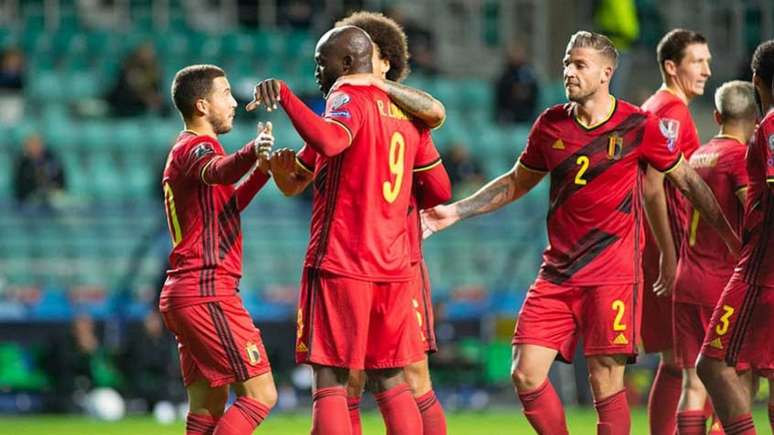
722, 327
397, 153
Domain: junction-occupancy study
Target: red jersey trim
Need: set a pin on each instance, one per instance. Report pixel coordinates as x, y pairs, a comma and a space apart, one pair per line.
303, 166
428, 166
531, 169
769, 180
674, 165
340, 124
600, 123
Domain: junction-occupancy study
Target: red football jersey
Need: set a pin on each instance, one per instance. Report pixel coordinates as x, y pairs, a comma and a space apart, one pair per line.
204, 223
705, 262
679, 124
755, 264
307, 159
362, 196
595, 212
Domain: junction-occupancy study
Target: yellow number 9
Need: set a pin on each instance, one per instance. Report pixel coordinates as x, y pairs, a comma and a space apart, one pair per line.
390, 190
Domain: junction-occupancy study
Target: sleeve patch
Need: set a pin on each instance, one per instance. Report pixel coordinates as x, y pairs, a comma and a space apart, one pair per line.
202, 150
771, 143
339, 100
670, 129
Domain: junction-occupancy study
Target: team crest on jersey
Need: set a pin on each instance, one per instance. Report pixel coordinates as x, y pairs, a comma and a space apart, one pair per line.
670, 128
202, 150
253, 354
614, 147
339, 100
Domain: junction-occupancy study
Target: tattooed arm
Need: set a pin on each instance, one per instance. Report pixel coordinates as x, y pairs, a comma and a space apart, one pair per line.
700, 195
501, 191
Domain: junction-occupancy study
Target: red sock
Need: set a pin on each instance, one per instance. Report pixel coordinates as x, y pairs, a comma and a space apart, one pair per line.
242, 417
199, 424
353, 403
543, 409
400, 411
741, 425
433, 419
329, 412
613, 415
662, 403
691, 422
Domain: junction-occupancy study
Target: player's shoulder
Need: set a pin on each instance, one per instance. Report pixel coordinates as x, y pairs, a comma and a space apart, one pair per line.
200, 145
555, 114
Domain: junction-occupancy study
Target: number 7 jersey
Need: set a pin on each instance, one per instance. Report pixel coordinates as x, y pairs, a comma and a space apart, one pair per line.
361, 196
595, 222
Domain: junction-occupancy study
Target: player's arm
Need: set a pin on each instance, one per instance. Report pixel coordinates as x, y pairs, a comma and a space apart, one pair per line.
326, 136
654, 201
433, 185
210, 167
290, 174
696, 190
418, 104
247, 190
501, 191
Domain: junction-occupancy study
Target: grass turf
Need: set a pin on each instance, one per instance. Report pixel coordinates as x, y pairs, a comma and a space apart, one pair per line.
501, 422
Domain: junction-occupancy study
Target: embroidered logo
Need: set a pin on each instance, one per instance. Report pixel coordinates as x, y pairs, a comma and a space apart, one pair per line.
670, 129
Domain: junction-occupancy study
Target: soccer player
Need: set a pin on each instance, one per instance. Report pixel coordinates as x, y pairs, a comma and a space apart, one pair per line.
739, 333
432, 185
684, 60
705, 265
355, 309
594, 147
218, 343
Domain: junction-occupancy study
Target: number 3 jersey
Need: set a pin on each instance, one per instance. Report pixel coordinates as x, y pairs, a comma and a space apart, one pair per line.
595, 220
361, 196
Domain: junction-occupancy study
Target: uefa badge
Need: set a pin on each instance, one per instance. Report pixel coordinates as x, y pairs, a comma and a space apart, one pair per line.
339, 100
670, 128
771, 143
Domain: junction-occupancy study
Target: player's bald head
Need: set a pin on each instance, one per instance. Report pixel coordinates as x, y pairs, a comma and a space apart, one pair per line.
341, 51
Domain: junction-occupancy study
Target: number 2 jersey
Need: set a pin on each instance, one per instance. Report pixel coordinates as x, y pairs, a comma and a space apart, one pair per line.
595, 219
362, 195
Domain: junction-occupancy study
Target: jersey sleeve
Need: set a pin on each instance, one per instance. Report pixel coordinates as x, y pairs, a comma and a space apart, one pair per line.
677, 116
533, 157
306, 158
428, 156
659, 143
345, 109
765, 138
195, 157
736, 168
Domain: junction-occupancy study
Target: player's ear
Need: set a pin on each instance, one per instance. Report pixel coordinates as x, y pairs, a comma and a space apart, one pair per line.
716, 116
346, 64
670, 67
201, 106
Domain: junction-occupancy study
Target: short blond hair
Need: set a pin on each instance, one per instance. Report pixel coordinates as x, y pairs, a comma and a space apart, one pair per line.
736, 100
597, 41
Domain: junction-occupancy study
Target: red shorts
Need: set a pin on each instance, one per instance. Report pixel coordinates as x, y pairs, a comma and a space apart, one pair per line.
217, 342
656, 310
690, 326
345, 322
423, 304
741, 327
555, 316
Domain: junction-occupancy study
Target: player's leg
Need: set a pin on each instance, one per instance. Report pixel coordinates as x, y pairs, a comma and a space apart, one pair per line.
396, 401
329, 396
606, 373
355, 386
664, 394
545, 328
691, 417
255, 399
418, 377
205, 407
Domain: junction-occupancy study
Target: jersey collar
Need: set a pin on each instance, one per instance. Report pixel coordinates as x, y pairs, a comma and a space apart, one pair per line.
600, 123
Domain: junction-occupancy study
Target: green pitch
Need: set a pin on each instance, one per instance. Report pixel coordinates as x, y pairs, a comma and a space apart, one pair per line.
581, 421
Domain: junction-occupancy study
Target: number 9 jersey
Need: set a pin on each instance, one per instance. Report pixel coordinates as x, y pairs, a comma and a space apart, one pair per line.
362, 195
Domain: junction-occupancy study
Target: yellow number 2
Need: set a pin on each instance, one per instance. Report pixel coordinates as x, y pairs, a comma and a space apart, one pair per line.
174, 225
722, 327
397, 153
618, 306
583, 161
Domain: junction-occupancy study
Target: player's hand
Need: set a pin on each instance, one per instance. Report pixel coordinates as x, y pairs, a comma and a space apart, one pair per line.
437, 218
267, 93
666, 276
283, 161
263, 144
359, 79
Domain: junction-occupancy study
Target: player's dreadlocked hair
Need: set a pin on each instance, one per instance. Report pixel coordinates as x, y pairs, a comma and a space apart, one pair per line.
672, 45
762, 63
388, 36
597, 41
193, 83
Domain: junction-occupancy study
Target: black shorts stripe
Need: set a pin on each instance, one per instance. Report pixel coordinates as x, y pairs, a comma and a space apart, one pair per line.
227, 340
742, 324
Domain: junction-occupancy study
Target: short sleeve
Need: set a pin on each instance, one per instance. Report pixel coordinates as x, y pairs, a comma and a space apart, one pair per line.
659, 143
686, 137
736, 166
197, 155
766, 140
345, 109
533, 157
306, 158
428, 156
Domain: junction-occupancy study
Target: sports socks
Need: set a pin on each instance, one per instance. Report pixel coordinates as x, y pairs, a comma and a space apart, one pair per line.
691, 422
399, 411
613, 415
199, 424
353, 403
433, 418
543, 409
242, 417
663, 400
329, 412
741, 425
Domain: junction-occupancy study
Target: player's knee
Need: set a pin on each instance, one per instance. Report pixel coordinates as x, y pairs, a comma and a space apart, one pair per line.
418, 378
267, 395
523, 380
